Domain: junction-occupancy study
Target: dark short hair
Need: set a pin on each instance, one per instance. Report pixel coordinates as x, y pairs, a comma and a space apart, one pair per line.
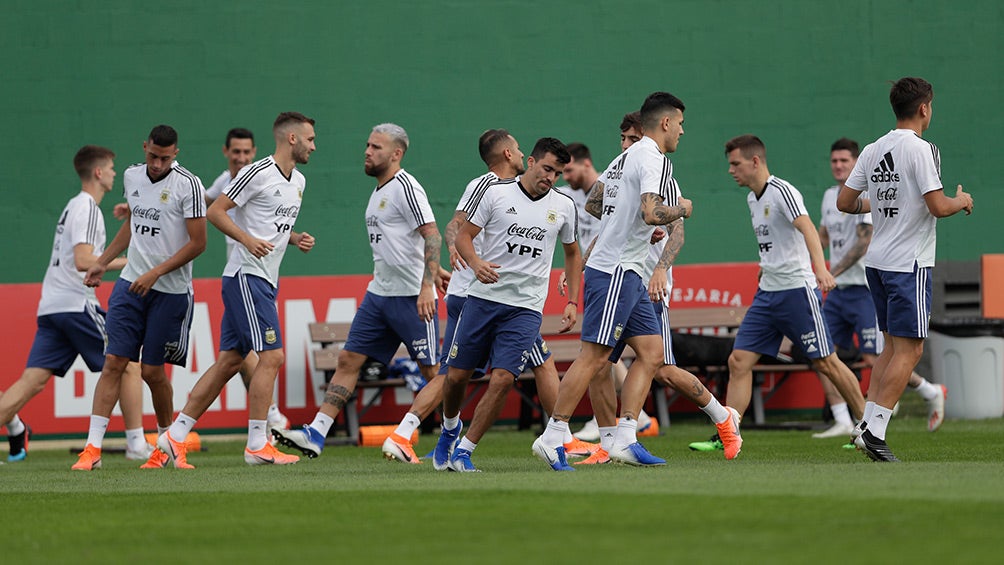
631, 120
579, 152
749, 145
657, 104
163, 136
287, 118
907, 94
239, 133
553, 146
88, 157
846, 144
490, 145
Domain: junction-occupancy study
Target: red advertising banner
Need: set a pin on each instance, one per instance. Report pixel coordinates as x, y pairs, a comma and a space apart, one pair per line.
65, 404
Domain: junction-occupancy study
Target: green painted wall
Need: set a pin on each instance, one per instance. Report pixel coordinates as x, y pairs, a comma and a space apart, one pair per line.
798, 74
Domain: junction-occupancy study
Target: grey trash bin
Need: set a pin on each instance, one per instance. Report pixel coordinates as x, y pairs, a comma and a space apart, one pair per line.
967, 356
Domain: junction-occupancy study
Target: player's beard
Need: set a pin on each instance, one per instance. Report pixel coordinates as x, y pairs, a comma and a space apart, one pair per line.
375, 170
301, 155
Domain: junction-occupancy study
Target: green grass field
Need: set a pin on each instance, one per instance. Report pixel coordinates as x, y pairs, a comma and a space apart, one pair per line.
786, 499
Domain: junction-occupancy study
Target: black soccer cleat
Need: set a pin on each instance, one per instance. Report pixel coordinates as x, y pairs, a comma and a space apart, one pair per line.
875, 448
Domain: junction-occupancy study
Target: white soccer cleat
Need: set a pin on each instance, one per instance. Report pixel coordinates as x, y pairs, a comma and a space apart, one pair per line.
836, 430
936, 409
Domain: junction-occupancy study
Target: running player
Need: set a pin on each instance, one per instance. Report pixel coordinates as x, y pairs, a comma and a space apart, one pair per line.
400, 302
521, 220
267, 196
239, 150
617, 306
70, 320
848, 308
150, 309
902, 175
788, 301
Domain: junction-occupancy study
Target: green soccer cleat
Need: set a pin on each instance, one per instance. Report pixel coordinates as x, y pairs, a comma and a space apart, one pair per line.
713, 444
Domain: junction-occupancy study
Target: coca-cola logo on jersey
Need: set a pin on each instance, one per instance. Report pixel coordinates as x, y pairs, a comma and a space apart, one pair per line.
288, 211
761, 229
886, 194
146, 213
529, 232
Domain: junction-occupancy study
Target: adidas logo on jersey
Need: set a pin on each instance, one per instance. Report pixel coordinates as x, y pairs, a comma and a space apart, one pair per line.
511, 210
278, 193
886, 171
135, 193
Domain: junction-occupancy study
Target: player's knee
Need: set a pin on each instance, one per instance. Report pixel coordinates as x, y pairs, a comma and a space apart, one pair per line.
741, 362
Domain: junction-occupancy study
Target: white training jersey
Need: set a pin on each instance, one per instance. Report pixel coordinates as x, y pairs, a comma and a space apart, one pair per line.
267, 206
623, 238
520, 234
461, 279
843, 232
784, 259
158, 223
588, 225
897, 170
671, 198
396, 210
63, 287
213, 192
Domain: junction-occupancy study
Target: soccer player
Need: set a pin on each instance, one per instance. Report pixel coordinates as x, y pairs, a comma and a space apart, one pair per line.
580, 174
400, 302
267, 196
239, 150
788, 301
150, 309
848, 308
521, 221
71, 322
617, 306
902, 174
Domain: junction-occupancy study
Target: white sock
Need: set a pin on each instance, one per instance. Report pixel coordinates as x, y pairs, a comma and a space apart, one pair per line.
96, 432
607, 434
841, 414
926, 390
181, 426
467, 444
716, 411
879, 421
644, 419
451, 423
256, 434
135, 441
15, 426
568, 436
869, 410
627, 432
322, 423
408, 425
554, 433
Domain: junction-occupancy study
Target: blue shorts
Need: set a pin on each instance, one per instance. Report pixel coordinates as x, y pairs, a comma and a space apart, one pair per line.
662, 315
902, 300
158, 324
795, 313
454, 305
616, 307
500, 334
849, 311
382, 323
250, 318
62, 336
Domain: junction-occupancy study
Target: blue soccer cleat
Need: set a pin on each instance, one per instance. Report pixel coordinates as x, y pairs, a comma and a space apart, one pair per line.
636, 454
308, 440
444, 447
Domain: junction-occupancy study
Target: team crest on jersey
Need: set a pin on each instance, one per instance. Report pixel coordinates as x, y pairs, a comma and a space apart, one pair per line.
270, 336
766, 211
383, 204
299, 193
618, 331
552, 216
543, 347
453, 351
164, 194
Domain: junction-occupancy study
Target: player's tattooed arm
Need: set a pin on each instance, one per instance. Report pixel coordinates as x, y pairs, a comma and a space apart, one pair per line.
674, 241
450, 237
594, 202
337, 395
658, 214
433, 244
857, 251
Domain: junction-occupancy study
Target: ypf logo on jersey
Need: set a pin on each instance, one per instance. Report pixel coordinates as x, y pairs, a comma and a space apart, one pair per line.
809, 342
